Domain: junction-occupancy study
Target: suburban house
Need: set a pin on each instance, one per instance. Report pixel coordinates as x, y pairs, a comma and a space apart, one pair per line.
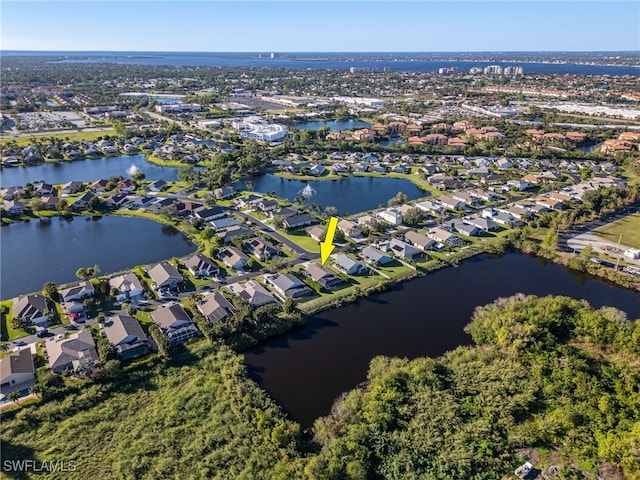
316, 232
252, 292
82, 202
296, 221
418, 240
288, 285
127, 286
404, 250
201, 266
234, 231
267, 205
349, 228
374, 256
322, 275
391, 215
127, 337
31, 309
215, 307
174, 323
14, 207
450, 202
444, 236
484, 224
261, 249
99, 186
220, 223
233, 258
165, 275
76, 353
157, 186
17, 372
348, 265
126, 185
249, 201
224, 192
71, 187
209, 213
465, 228
317, 170
429, 206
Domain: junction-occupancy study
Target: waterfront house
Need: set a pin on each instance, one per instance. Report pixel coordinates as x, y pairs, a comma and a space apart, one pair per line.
14, 207
252, 292
82, 202
99, 186
404, 250
77, 292
76, 353
322, 276
71, 188
348, 265
296, 221
374, 256
175, 324
11, 193
484, 224
261, 249
201, 266
215, 307
233, 258
127, 337
43, 189
17, 372
31, 310
444, 236
391, 215
165, 275
317, 170
418, 240
225, 222
349, 228
126, 185
126, 287
288, 285
465, 228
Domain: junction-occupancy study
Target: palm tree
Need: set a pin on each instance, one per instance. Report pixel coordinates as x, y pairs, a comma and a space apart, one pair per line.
35, 390
14, 397
4, 346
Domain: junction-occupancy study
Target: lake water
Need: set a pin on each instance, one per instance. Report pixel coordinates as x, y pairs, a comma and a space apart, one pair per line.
333, 125
305, 370
86, 171
349, 194
37, 252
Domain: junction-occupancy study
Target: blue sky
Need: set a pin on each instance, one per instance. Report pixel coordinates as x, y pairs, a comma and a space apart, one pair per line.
369, 26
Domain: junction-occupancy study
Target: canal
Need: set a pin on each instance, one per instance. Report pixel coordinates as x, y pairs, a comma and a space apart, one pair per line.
305, 370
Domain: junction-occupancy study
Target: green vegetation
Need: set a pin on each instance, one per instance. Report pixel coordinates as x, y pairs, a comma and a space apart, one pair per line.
88, 136
549, 378
628, 227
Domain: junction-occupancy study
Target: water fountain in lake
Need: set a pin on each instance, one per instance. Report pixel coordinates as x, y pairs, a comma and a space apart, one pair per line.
132, 170
307, 192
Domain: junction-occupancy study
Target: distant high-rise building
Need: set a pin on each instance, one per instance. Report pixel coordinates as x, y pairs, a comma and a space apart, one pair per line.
447, 70
475, 70
512, 70
493, 70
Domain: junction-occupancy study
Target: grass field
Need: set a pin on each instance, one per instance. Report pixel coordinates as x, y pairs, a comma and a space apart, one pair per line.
628, 227
301, 237
71, 136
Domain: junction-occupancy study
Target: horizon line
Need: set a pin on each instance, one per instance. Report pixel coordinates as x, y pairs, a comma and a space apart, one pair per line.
321, 51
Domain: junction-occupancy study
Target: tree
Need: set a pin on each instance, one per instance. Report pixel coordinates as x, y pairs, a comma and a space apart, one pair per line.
4, 347
36, 390
412, 216
331, 211
399, 199
289, 306
50, 291
14, 397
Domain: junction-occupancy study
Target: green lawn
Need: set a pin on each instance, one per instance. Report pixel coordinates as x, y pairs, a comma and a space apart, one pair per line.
395, 269
301, 237
71, 136
628, 227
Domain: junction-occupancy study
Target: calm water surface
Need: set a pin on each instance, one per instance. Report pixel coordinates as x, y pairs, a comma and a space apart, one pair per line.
86, 171
305, 370
33, 253
348, 194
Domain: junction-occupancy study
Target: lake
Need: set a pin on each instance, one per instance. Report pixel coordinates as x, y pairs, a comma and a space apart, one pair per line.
305, 370
86, 171
41, 251
348, 194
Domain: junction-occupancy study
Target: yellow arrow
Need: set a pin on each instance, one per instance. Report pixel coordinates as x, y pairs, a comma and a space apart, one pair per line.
327, 246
